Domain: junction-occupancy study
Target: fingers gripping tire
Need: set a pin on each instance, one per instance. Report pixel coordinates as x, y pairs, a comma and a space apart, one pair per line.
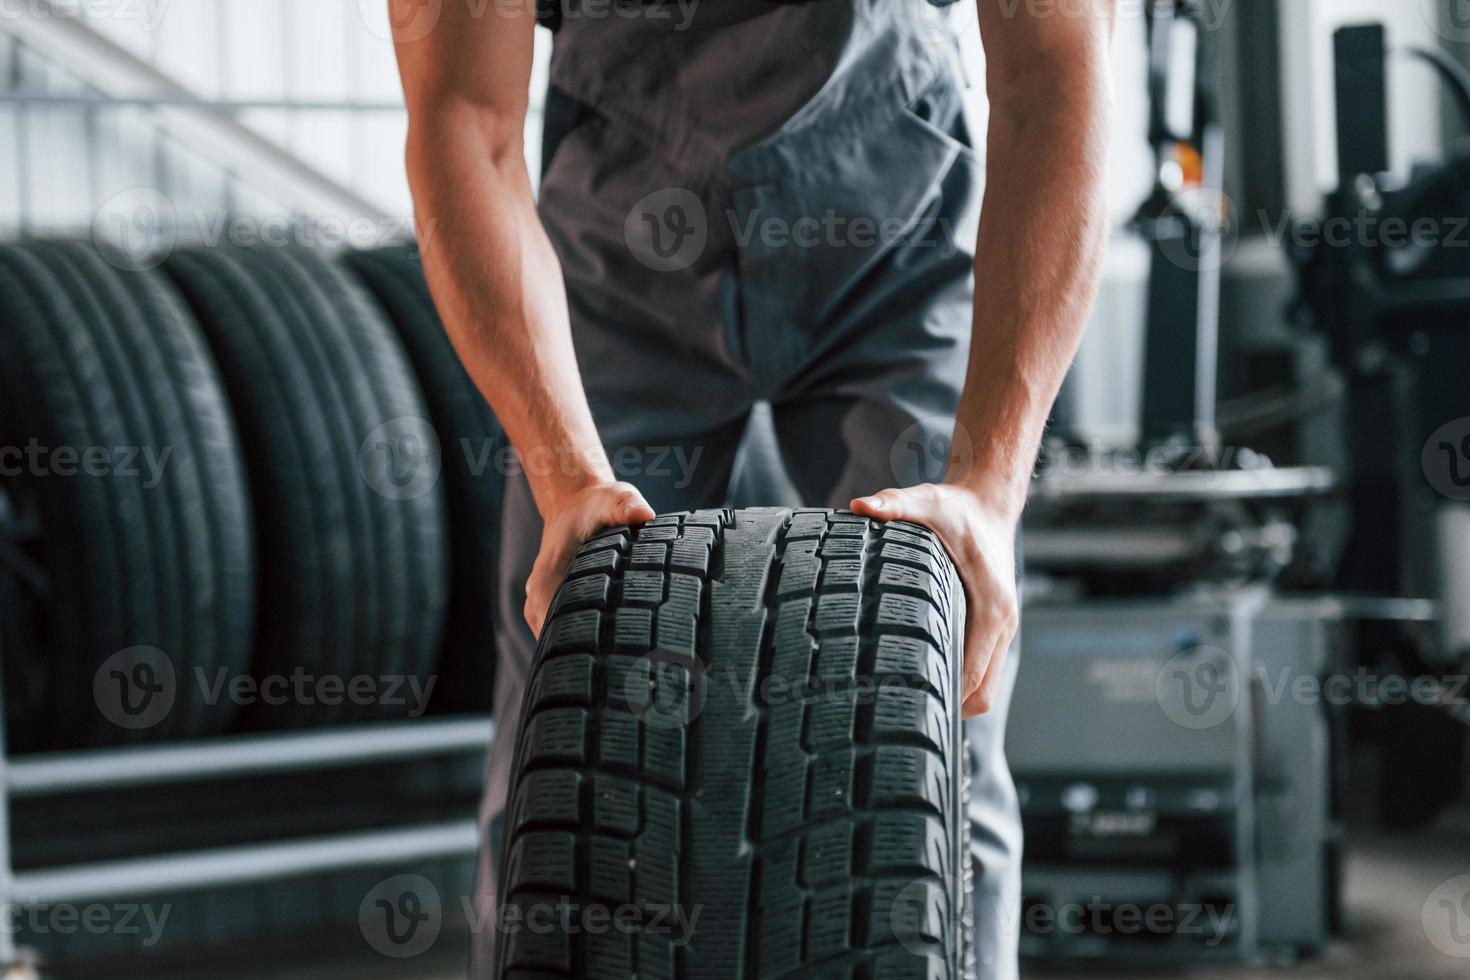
741, 755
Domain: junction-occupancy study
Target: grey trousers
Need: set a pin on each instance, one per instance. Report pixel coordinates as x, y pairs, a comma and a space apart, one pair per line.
826, 267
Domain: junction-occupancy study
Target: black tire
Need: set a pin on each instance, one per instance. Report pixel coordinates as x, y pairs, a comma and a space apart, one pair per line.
126, 555
753, 716
470, 445
353, 578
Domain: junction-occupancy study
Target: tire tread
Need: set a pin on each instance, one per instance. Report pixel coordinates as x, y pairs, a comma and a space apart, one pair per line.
795, 819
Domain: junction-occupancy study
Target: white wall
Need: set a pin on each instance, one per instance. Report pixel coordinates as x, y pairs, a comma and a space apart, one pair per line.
59, 163
1311, 105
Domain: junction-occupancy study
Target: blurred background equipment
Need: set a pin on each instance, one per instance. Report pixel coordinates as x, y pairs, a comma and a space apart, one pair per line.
245, 471
1392, 305
1207, 629
1153, 774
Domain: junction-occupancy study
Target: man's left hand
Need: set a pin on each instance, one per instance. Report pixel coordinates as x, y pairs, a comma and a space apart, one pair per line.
980, 538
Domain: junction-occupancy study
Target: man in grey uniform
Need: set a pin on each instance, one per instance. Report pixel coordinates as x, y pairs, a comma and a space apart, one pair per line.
747, 200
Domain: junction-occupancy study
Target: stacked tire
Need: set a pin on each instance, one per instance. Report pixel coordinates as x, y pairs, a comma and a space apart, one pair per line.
221, 501
124, 574
470, 447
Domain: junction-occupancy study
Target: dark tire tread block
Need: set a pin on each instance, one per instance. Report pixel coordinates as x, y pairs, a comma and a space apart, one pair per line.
751, 716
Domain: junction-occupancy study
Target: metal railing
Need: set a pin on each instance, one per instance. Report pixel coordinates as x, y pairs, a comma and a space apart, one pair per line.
78, 104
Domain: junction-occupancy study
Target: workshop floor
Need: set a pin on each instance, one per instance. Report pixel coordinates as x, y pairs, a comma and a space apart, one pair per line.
1389, 878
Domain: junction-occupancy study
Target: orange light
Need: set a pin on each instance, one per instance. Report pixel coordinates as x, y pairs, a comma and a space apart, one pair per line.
1191, 164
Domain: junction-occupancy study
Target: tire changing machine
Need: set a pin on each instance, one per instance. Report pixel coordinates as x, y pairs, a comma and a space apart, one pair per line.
1174, 753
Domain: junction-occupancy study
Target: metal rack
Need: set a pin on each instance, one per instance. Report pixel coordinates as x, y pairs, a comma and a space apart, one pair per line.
164, 765
197, 147
59, 774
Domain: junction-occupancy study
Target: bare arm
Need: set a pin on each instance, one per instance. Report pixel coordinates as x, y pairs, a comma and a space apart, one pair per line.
1036, 277
495, 278
1040, 249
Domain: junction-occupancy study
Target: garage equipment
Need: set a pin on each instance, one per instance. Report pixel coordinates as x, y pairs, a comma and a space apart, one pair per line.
1183, 221
1176, 808
1391, 298
1190, 785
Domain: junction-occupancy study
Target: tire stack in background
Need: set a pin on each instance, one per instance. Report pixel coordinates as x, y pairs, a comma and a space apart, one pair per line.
470, 448
242, 464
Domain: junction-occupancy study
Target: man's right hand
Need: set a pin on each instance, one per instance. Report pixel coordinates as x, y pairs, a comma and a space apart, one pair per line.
595, 508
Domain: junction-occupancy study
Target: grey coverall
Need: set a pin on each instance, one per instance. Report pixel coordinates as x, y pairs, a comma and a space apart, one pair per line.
763, 202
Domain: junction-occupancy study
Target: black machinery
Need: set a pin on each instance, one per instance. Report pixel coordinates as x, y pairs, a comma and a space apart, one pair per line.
1384, 276
1179, 806
1191, 683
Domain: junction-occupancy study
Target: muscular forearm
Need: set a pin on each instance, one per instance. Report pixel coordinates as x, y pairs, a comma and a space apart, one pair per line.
1043, 230
498, 286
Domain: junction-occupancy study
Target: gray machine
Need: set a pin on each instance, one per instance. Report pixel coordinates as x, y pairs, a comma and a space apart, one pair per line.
1174, 761
1173, 733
